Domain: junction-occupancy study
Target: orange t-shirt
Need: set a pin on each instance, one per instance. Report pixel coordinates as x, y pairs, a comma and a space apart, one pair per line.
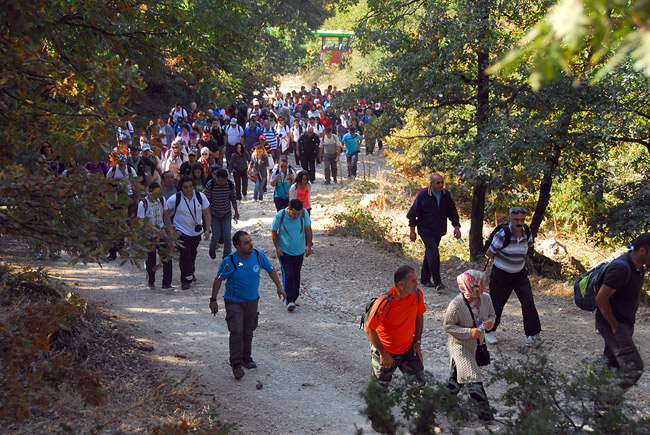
396, 327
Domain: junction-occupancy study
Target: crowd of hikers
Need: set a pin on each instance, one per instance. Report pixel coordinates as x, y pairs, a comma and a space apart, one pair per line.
195, 167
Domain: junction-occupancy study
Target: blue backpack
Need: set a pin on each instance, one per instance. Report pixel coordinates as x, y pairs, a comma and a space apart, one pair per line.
587, 285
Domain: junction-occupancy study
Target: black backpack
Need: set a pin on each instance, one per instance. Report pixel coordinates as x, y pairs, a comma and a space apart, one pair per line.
386, 303
178, 201
507, 235
232, 259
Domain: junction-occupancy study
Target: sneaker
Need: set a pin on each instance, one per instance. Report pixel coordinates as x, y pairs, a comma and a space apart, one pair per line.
245, 198
212, 253
250, 364
532, 340
238, 372
428, 284
490, 338
440, 286
168, 287
327, 183
185, 286
335, 182
151, 285
55, 255
40, 256
291, 306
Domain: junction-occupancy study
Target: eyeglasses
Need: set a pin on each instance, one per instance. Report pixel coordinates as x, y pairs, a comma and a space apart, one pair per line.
518, 210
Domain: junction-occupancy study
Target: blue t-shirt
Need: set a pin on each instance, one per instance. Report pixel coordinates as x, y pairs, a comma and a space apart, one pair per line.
292, 240
243, 281
351, 142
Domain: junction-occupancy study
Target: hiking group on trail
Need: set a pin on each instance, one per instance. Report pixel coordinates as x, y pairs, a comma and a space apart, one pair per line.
200, 196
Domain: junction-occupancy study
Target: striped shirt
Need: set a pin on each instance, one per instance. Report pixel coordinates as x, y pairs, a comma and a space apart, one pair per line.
271, 138
220, 197
512, 258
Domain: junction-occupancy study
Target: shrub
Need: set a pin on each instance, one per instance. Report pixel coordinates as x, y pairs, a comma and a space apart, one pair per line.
360, 222
538, 398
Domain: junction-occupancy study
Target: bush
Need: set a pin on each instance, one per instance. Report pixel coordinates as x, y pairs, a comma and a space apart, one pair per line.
538, 398
360, 222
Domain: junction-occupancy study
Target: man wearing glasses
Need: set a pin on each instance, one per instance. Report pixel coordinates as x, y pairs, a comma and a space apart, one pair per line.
509, 248
429, 213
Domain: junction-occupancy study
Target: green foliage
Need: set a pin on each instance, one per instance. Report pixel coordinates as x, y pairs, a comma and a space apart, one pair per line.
597, 33
542, 399
538, 398
361, 222
420, 406
82, 214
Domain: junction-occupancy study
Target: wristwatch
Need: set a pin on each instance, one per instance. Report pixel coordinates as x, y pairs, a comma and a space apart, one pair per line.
213, 299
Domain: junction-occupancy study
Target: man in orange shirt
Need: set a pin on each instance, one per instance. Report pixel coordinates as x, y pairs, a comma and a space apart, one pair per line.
394, 328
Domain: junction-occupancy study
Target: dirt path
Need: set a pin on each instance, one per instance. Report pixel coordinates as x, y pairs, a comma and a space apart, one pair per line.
313, 362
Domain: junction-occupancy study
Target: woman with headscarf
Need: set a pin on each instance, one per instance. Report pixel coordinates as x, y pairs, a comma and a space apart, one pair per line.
467, 317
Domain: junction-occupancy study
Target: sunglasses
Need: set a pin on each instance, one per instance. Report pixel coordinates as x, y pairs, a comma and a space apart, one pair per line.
283, 166
47, 146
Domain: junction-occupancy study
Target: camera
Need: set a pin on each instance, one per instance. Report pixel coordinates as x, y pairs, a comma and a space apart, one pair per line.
198, 228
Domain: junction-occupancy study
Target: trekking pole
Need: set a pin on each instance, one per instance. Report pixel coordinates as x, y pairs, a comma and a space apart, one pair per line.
486, 264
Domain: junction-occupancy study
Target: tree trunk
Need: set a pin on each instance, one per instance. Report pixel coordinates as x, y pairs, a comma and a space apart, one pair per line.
476, 229
480, 186
545, 186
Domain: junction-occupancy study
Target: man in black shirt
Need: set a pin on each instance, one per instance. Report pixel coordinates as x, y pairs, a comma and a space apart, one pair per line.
308, 146
618, 302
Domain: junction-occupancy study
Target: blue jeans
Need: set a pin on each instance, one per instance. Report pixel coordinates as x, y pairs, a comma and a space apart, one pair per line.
291, 265
258, 192
222, 226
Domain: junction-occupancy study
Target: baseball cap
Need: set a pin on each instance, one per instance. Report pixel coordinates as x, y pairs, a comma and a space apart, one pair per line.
121, 157
233, 121
262, 137
146, 147
191, 152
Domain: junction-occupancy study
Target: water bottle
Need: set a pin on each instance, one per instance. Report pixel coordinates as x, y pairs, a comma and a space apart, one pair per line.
460, 240
236, 221
482, 327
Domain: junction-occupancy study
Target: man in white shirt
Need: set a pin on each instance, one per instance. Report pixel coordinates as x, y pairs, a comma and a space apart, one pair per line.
235, 135
183, 213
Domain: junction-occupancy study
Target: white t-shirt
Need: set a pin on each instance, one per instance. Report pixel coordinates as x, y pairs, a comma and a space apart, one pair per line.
189, 212
116, 174
283, 136
234, 132
175, 114
154, 212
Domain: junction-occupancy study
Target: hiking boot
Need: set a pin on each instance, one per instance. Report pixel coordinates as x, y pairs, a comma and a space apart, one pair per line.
291, 306
250, 364
491, 338
532, 340
212, 253
185, 286
238, 372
